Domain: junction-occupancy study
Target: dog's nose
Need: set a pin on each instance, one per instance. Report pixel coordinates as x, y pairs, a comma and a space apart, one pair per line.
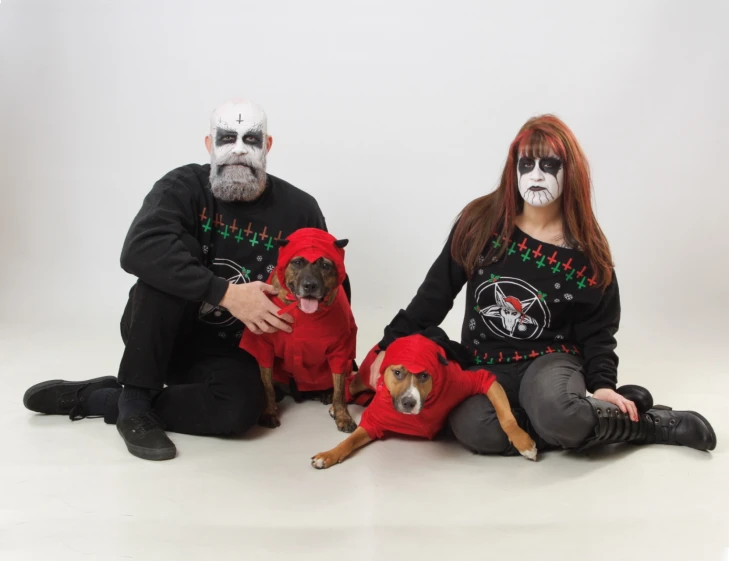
408, 403
309, 285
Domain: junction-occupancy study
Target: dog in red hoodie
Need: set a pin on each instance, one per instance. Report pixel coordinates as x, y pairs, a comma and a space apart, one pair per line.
319, 352
417, 389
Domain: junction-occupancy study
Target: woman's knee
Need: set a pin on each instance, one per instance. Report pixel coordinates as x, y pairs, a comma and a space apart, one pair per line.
552, 394
475, 425
564, 422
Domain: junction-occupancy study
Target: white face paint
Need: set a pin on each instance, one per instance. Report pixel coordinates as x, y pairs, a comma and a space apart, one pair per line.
238, 157
540, 179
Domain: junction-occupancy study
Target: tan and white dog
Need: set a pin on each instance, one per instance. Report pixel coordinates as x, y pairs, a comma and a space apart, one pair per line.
417, 390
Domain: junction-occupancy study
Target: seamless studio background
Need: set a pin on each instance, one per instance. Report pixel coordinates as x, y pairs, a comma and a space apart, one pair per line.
394, 115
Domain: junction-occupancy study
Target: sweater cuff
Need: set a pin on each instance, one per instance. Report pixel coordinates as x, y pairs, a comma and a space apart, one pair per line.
216, 291
600, 384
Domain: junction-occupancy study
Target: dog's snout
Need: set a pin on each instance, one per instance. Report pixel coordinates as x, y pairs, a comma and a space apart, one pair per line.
309, 284
408, 403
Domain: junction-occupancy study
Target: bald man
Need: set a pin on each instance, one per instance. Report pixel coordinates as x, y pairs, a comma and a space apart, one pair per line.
200, 247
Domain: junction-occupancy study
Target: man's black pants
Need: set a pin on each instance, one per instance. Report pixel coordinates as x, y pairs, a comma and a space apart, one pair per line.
205, 387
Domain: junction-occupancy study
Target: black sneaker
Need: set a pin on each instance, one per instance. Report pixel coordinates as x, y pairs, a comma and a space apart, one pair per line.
59, 397
145, 437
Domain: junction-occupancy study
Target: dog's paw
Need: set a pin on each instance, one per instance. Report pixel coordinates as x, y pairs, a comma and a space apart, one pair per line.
530, 454
526, 446
324, 460
269, 420
346, 424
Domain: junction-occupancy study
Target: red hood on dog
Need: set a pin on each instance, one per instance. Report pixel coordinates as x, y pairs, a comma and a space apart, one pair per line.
451, 385
417, 354
321, 343
311, 244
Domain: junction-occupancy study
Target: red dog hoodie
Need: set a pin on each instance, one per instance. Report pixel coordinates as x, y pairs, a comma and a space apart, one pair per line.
323, 340
451, 385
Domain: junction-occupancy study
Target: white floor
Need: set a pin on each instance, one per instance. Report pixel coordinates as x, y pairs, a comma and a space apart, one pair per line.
72, 491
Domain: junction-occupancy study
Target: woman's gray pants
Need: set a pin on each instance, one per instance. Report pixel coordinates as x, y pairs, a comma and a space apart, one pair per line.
550, 390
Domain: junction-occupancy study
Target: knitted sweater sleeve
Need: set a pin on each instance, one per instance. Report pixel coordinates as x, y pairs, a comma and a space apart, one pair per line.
594, 329
433, 299
159, 245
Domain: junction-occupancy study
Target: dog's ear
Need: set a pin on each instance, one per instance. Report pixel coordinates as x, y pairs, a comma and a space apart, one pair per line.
282, 242
341, 243
443, 360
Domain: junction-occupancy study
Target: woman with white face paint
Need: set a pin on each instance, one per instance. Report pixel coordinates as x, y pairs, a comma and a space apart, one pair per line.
542, 309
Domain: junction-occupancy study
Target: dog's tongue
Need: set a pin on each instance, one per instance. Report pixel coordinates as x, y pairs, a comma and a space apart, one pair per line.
309, 305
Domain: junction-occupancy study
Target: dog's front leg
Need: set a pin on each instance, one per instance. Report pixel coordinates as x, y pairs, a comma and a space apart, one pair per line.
517, 436
269, 418
337, 454
338, 410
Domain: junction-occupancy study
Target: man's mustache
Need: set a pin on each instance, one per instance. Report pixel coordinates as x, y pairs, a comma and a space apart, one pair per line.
237, 161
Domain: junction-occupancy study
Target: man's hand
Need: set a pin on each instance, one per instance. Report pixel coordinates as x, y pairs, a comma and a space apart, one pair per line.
249, 303
625, 405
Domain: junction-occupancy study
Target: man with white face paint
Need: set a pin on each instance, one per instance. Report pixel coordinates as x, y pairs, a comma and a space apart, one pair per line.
238, 145
201, 245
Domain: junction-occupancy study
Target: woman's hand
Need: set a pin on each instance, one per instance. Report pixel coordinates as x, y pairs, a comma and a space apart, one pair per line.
374, 372
625, 405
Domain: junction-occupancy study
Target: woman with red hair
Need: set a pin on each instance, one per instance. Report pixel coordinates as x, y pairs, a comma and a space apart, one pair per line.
542, 309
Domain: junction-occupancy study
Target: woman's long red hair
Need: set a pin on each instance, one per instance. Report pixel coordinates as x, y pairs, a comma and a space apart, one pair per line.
495, 212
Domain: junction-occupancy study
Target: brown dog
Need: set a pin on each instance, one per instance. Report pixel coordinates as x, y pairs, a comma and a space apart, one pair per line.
416, 392
318, 354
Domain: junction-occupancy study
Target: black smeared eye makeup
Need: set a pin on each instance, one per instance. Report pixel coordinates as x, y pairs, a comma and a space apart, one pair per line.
525, 165
223, 136
253, 138
550, 165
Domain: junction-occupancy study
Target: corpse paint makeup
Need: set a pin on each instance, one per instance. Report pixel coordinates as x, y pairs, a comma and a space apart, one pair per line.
238, 155
540, 179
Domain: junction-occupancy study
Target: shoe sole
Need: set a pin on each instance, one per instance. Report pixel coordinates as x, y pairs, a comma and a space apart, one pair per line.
155, 455
31, 391
708, 426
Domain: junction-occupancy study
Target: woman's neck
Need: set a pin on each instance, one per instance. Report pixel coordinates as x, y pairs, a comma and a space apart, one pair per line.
543, 223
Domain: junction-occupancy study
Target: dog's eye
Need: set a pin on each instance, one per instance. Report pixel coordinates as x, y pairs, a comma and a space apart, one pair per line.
326, 266
297, 262
397, 374
422, 378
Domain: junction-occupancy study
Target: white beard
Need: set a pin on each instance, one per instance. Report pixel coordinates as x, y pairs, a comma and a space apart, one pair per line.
233, 122
235, 183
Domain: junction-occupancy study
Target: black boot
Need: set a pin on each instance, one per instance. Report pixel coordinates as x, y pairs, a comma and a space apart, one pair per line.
655, 426
59, 397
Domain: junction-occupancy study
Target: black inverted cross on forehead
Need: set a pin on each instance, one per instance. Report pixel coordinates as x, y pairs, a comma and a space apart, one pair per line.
550, 164
252, 137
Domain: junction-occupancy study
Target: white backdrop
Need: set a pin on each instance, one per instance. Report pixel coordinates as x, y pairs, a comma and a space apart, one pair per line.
393, 115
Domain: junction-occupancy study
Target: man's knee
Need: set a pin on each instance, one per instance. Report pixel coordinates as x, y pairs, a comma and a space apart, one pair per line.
475, 425
241, 409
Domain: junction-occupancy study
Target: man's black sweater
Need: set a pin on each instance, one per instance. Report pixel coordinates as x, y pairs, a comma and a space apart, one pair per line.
188, 244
